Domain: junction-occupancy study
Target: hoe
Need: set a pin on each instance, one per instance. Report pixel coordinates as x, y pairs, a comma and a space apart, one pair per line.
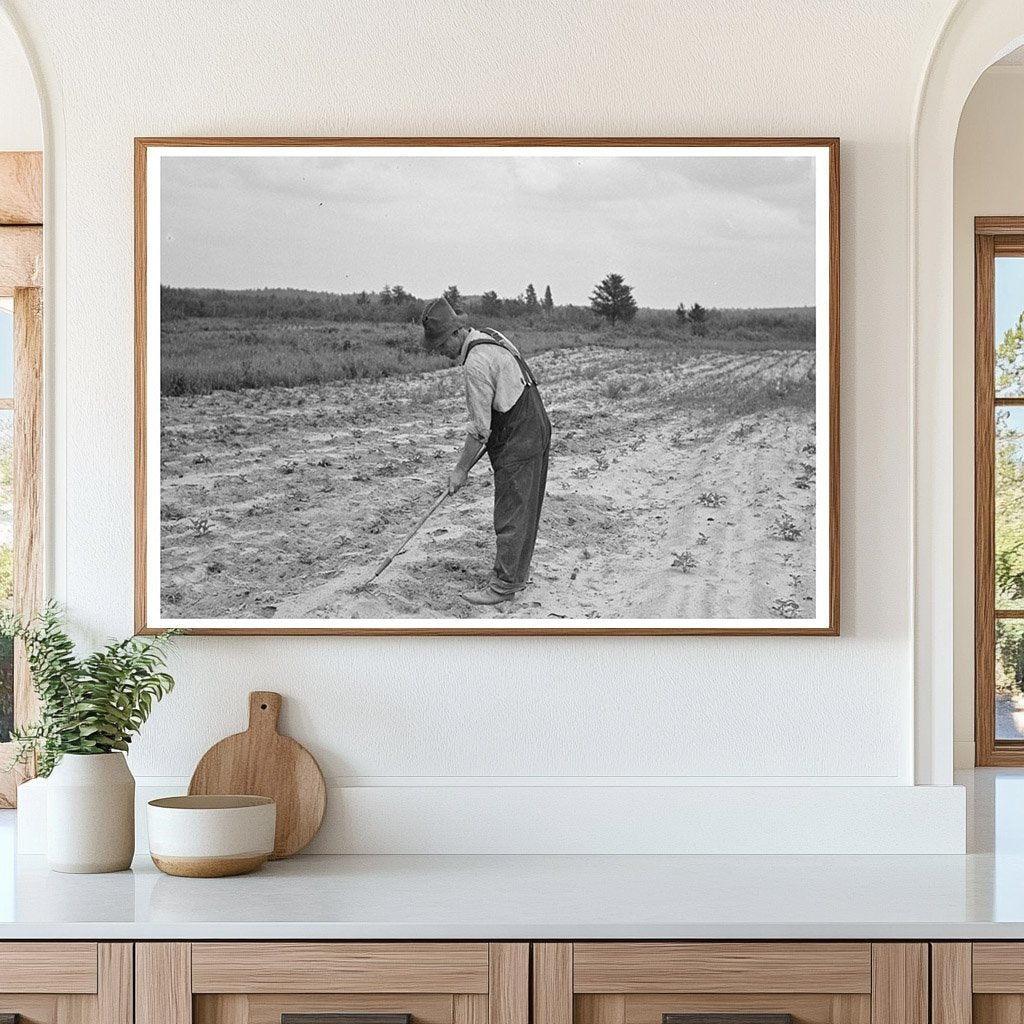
395, 552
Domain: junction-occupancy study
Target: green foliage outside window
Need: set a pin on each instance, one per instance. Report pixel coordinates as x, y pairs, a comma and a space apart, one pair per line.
1009, 510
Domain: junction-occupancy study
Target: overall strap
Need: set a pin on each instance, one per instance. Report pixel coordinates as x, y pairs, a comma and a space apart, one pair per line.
499, 339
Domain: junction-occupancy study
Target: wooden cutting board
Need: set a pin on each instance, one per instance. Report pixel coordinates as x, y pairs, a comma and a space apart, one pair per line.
262, 762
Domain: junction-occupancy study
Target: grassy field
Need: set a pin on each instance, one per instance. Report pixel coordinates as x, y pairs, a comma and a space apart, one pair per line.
213, 353
296, 451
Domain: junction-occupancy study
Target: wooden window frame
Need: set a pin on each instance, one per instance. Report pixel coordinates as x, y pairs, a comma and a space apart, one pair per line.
993, 237
21, 278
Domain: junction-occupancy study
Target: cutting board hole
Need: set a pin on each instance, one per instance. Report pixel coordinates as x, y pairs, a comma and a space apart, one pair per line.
263, 707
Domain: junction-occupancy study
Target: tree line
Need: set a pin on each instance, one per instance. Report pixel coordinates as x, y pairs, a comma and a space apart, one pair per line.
490, 304
391, 304
612, 300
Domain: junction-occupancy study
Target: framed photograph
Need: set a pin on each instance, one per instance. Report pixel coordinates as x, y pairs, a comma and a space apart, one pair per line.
496, 386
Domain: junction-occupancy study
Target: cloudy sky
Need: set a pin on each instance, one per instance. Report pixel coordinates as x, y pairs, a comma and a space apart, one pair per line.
718, 230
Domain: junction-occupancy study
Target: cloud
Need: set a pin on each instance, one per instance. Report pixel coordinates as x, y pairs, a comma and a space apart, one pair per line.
732, 230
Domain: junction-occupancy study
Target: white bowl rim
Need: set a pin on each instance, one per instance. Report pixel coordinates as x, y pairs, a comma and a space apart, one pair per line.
212, 802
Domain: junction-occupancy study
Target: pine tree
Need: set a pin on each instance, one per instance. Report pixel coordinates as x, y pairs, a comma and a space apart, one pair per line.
490, 304
698, 316
613, 299
386, 296
532, 305
549, 303
454, 298
681, 315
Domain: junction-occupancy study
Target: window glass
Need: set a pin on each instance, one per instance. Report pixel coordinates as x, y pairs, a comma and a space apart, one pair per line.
6, 567
1009, 512
1009, 327
1009, 496
1009, 679
6, 353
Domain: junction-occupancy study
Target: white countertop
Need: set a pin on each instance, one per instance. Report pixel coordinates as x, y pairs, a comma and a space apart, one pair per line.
496, 897
977, 896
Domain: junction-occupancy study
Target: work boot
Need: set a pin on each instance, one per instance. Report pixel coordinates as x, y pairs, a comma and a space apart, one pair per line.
487, 596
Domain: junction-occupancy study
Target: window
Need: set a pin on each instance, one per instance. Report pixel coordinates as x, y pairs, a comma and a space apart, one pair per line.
21, 366
999, 490
6, 511
20, 502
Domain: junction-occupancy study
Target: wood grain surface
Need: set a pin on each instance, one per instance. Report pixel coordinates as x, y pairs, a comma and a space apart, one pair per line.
163, 983
305, 967
951, 983
552, 983
64, 967
806, 1008
262, 762
21, 258
630, 967
21, 188
899, 990
115, 999
270, 1008
469, 1008
998, 967
508, 991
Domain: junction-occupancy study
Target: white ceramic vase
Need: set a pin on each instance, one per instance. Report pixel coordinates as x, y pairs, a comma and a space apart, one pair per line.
90, 814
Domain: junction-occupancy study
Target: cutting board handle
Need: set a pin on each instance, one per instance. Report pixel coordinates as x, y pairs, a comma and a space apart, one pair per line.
264, 710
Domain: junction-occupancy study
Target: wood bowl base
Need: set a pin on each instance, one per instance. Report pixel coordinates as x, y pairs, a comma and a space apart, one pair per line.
209, 867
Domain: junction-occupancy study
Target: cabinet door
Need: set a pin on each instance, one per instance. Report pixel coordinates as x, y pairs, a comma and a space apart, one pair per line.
980, 982
332, 983
65, 983
730, 983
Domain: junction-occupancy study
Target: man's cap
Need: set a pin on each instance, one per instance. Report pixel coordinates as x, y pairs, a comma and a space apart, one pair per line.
439, 320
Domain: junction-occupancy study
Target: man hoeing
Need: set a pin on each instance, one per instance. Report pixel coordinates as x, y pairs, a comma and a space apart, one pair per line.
506, 415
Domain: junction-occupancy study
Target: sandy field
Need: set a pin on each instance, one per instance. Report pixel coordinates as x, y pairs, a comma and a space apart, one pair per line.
677, 489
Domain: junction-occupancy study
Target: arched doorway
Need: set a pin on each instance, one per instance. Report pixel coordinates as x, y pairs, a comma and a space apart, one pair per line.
976, 34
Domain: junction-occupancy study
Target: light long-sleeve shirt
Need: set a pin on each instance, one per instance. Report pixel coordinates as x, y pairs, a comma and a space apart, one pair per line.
493, 378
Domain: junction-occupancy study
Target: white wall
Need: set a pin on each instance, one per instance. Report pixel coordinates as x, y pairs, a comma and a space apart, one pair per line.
21, 127
456, 712
987, 181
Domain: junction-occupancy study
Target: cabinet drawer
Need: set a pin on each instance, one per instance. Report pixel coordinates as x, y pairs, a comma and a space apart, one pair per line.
66, 982
340, 967
998, 967
65, 967
730, 983
332, 983
634, 967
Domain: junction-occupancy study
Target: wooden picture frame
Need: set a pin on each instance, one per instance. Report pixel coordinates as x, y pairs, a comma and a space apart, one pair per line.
783, 617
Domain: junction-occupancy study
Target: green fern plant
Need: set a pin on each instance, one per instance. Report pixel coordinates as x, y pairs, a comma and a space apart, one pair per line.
90, 705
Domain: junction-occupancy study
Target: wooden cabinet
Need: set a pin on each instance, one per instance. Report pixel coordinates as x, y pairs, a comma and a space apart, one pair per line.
309, 982
978, 983
753, 982
494, 983
66, 982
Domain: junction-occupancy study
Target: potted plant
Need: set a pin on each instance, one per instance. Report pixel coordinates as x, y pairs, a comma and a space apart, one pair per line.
89, 710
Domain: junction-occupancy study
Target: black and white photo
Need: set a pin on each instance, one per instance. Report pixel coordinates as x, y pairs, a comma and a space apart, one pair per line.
487, 386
